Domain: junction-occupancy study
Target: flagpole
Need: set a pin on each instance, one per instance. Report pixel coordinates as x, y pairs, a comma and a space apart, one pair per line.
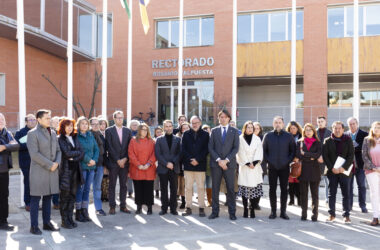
293, 65
356, 92
180, 58
70, 60
234, 60
129, 82
104, 59
21, 76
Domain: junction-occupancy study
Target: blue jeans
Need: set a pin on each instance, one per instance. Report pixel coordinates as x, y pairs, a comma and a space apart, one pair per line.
97, 187
55, 199
360, 180
83, 192
46, 209
25, 173
326, 187
344, 183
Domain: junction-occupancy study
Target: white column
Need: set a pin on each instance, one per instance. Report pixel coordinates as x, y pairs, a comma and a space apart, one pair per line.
21, 77
293, 64
42, 15
234, 60
129, 82
70, 60
104, 59
180, 58
356, 92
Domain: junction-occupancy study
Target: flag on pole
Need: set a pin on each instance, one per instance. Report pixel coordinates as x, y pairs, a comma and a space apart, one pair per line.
144, 15
126, 7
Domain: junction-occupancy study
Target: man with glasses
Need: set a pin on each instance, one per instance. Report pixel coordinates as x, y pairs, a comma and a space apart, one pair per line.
24, 157
97, 184
117, 142
194, 158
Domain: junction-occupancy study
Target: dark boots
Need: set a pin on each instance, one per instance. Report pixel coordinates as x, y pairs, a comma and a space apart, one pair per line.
85, 214
245, 204
70, 214
252, 207
79, 216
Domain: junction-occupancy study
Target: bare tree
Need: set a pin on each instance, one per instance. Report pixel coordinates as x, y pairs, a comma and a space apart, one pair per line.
77, 105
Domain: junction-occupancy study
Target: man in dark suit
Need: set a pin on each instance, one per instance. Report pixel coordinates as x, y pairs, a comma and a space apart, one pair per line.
279, 150
223, 147
117, 142
338, 145
168, 153
323, 133
24, 157
357, 136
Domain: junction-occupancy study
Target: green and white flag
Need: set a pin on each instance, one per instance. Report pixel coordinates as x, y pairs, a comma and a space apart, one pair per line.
126, 7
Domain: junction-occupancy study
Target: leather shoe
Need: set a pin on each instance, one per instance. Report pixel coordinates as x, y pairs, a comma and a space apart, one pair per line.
375, 222
174, 212
125, 210
112, 211
284, 216
272, 216
232, 217
213, 216
364, 210
35, 231
50, 227
6, 226
162, 212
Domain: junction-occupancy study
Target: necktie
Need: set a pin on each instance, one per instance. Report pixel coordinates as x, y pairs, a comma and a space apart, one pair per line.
224, 134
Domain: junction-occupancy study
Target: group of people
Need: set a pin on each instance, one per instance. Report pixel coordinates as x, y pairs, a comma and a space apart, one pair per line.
71, 156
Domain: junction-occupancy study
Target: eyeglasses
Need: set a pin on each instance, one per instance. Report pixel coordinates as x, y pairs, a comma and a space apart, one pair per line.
32, 120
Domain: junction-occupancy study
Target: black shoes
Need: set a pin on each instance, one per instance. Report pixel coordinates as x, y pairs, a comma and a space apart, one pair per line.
284, 216
173, 212
6, 226
213, 216
85, 214
188, 212
202, 212
272, 215
162, 212
232, 217
150, 211
138, 210
50, 227
79, 216
35, 231
183, 204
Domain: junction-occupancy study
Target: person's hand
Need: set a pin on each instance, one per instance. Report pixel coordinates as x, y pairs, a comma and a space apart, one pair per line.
54, 167
335, 171
140, 167
223, 164
302, 152
170, 165
92, 163
251, 166
320, 159
296, 159
341, 170
2, 148
194, 162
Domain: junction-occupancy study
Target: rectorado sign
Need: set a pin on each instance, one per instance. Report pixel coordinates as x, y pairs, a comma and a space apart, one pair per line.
187, 63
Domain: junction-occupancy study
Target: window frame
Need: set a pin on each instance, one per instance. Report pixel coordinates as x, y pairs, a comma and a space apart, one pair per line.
97, 30
2, 89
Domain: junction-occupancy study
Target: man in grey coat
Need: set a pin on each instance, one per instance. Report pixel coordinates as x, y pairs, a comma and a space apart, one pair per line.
45, 157
168, 153
223, 147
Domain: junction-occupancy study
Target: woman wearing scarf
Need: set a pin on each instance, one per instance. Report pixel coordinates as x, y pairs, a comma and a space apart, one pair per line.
249, 158
295, 129
308, 151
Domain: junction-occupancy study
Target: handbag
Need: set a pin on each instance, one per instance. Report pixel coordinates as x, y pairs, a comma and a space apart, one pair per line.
296, 168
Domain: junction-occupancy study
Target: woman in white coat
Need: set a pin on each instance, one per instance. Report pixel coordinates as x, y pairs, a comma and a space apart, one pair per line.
249, 158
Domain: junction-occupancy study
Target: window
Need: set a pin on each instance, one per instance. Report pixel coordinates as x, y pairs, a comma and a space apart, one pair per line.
299, 100
2, 89
197, 32
370, 98
86, 22
268, 27
99, 37
340, 98
341, 21
197, 96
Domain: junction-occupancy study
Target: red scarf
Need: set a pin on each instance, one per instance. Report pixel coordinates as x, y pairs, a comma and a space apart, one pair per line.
308, 142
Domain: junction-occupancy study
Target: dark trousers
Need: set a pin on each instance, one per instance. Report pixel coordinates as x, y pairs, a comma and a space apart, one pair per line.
170, 178
217, 173
282, 175
55, 199
46, 209
360, 180
25, 173
143, 192
122, 174
4, 193
67, 197
344, 183
304, 195
294, 190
